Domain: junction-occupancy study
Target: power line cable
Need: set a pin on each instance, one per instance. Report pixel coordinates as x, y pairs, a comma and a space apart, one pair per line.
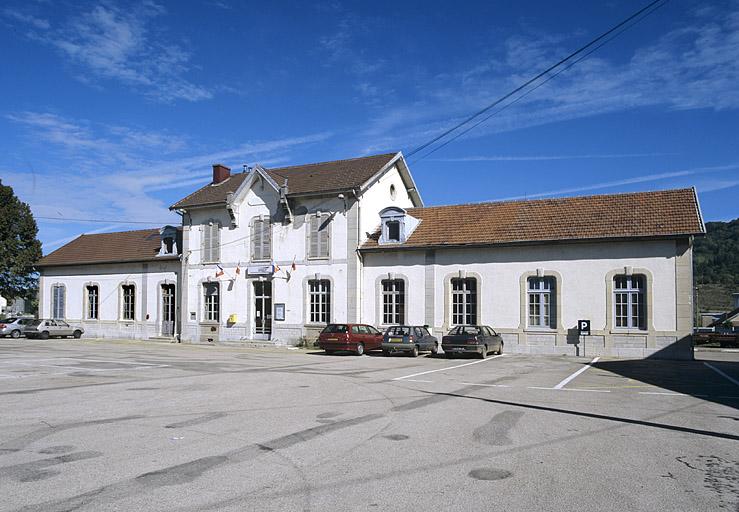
99, 220
550, 77
538, 76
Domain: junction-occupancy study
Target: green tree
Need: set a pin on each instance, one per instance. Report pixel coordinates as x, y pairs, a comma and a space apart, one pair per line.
19, 247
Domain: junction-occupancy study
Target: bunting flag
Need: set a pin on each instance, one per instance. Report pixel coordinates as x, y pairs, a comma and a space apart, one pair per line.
293, 265
238, 271
277, 268
220, 271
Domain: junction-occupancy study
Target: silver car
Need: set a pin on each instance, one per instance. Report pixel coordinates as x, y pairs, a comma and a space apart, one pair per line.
47, 328
13, 326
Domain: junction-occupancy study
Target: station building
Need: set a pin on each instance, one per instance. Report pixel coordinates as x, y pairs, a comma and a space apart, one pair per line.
275, 254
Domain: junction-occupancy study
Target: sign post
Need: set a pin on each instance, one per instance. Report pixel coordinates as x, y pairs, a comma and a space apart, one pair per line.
583, 329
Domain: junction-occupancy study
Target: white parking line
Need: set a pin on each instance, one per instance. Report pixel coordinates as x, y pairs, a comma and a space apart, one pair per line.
720, 372
573, 389
661, 393
578, 372
419, 380
485, 385
447, 368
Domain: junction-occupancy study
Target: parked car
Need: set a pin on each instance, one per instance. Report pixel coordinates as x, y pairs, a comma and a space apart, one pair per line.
409, 338
47, 328
13, 326
472, 339
357, 338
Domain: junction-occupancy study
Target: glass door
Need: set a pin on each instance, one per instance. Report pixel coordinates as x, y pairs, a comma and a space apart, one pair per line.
168, 309
262, 309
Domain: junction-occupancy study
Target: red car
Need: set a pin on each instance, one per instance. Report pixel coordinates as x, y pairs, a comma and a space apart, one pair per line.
355, 338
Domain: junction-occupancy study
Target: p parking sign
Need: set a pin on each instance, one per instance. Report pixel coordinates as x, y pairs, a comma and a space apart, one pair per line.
583, 327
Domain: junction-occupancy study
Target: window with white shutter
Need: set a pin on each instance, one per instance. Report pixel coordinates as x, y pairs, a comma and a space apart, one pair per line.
261, 239
211, 246
319, 236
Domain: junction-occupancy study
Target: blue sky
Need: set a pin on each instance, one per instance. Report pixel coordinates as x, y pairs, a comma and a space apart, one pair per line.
114, 110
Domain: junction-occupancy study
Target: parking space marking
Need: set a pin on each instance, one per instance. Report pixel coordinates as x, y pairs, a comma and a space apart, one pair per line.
447, 368
418, 380
578, 372
485, 385
572, 389
723, 374
666, 393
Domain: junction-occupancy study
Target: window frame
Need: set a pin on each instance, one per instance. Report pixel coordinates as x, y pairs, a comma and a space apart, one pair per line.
263, 236
635, 296
128, 309
544, 290
211, 302
466, 308
211, 243
57, 306
393, 301
317, 220
92, 305
319, 301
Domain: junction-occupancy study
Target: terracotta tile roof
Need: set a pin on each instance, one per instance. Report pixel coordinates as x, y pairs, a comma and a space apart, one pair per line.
642, 214
338, 175
123, 246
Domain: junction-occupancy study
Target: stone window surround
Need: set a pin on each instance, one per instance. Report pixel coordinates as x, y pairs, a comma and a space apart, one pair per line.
524, 301
611, 310
461, 274
201, 301
306, 299
85, 299
379, 317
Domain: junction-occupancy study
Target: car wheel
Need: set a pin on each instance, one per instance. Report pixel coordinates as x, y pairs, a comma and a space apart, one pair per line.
386, 353
360, 349
77, 334
434, 350
500, 348
15, 334
414, 351
484, 352
45, 335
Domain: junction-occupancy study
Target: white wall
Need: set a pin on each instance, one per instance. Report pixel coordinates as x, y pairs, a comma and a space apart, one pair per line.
377, 198
146, 277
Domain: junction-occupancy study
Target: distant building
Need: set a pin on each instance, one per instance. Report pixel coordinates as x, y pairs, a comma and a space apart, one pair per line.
276, 254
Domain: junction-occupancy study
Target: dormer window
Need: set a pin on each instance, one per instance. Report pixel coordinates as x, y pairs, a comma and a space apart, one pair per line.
396, 225
168, 235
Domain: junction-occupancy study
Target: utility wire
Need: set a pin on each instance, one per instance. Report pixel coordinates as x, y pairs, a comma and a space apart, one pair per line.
554, 75
99, 220
537, 77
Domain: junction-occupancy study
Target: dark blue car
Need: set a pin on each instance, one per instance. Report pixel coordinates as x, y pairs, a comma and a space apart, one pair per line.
410, 339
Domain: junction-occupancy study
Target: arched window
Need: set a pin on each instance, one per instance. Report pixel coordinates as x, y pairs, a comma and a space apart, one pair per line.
58, 301
319, 301
629, 305
128, 309
92, 300
211, 302
541, 293
393, 301
464, 301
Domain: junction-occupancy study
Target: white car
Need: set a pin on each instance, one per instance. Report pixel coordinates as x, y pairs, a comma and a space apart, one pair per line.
47, 328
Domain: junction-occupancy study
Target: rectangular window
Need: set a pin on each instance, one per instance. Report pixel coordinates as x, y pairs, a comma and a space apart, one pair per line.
393, 231
319, 299
58, 299
129, 302
261, 240
319, 239
92, 302
393, 301
211, 301
211, 246
628, 301
464, 301
541, 293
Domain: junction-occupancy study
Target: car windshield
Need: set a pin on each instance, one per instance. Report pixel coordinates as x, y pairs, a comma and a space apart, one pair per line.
341, 328
465, 329
399, 331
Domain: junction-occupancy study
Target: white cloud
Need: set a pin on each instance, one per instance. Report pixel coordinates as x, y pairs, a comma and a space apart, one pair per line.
528, 158
34, 21
694, 65
123, 44
627, 181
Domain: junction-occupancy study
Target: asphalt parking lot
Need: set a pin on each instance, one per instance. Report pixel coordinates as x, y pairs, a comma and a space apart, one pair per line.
92, 425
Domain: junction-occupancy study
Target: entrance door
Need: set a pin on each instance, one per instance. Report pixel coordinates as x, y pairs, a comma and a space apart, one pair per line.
168, 309
262, 310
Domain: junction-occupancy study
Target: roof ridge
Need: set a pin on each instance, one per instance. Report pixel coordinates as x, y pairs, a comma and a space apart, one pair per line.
274, 169
544, 199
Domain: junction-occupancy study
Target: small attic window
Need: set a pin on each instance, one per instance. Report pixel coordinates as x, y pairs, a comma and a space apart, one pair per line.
168, 237
393, 230
393, 192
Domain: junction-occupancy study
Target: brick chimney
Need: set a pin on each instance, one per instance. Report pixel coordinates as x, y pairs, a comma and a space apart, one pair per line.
220, 173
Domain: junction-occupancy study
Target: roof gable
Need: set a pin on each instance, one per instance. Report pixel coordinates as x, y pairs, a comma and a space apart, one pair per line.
318, 178
642, 214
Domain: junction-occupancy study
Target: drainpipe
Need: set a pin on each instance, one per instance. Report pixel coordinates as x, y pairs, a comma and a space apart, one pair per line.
359, 256
180, 282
